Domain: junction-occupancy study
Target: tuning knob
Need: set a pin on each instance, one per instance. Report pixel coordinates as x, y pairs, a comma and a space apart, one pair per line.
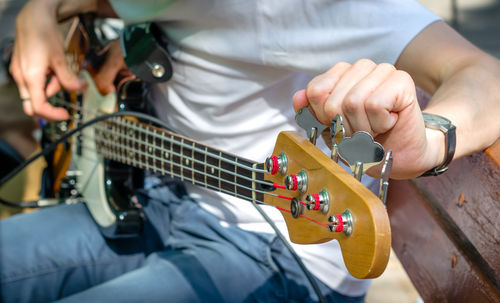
275, 164
318, 201
342, 223
297, 182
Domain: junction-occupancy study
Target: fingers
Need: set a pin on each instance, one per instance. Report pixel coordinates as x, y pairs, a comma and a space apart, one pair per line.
38, 52
320, 88
367, 95
112, 66
389, 99
359, 103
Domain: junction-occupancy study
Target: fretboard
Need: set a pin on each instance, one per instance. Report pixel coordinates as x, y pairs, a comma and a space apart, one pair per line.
166, 153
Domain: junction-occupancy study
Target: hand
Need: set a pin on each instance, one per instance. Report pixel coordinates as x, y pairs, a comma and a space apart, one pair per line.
113, 71
380, 100
39, 53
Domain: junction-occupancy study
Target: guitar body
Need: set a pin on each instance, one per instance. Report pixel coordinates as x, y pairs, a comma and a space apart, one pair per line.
108, 187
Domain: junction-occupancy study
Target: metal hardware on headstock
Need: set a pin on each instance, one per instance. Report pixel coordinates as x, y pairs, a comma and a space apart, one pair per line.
318, 201
297, 182
296, 208
337, 134
309, 123
384, 176
275, 164
359, 151
342, 223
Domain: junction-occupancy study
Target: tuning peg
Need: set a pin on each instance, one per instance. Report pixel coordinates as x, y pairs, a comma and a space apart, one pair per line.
306, 120
384, 177
275, 164
298, 181
360, 152
337, 134
318, 201
342, 223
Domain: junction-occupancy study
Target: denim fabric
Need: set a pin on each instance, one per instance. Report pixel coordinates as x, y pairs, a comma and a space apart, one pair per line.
184, 255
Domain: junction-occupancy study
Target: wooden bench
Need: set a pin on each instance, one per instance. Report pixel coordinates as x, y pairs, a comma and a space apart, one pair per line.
446, 230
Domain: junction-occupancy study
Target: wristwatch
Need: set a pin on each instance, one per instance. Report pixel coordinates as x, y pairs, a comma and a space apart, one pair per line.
444, 125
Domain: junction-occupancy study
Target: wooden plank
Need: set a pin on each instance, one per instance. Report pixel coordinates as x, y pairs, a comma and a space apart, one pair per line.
446, 230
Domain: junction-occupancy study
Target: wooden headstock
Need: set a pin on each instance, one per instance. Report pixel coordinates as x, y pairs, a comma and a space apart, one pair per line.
366, 250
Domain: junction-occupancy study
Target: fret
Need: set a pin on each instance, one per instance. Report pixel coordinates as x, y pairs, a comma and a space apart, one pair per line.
244, 184
226, 173
133, 146
219, 166
206, 165
157, 152
212, 164
192, 161
181, 158
175, 153
169, 157
165, 153
236, 177
189, 160
199, 166
150, 150
120, 150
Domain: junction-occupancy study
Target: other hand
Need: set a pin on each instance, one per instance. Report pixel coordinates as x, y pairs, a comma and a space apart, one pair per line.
380, 100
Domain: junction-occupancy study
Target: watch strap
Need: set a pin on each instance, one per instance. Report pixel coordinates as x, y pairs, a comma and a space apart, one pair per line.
450, 144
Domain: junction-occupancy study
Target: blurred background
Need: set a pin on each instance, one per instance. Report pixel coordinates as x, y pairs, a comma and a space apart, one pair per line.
477, 20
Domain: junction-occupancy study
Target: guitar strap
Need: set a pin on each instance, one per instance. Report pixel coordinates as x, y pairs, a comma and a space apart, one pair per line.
145, 50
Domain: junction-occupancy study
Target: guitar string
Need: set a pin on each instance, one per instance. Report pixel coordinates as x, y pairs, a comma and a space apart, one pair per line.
170, 153
182, 156
222, 190
64, 102
170, 140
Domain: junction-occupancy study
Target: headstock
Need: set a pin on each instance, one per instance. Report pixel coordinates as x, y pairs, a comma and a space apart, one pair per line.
346, 211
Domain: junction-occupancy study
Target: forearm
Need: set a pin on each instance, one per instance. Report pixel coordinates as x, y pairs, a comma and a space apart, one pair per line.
470, 98
463, 82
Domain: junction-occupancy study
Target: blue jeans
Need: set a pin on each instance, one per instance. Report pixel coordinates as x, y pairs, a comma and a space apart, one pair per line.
184, 255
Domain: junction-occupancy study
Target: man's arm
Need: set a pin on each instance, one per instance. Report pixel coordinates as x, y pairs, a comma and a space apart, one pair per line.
381, 99
464, 83
39, 52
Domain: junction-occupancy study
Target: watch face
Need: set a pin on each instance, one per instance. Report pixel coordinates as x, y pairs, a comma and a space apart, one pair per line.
435, 120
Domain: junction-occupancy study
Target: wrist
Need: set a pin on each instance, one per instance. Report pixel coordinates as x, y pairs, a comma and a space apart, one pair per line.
445, 153
436, 148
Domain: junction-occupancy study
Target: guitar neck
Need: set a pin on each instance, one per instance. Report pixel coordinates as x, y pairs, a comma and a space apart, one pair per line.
166, 153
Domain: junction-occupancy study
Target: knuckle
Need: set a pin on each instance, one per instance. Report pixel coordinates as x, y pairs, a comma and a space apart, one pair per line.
386, 66
371, 105
364, 64
339, 66
315, 93
353, 102
331, 110
404, 76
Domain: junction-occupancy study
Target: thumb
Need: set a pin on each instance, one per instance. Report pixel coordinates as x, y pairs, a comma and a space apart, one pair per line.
300, 100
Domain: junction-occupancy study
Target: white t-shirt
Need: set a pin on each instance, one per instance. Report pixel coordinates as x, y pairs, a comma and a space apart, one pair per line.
237, 65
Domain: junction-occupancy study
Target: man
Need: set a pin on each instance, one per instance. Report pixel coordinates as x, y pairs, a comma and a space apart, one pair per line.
236, 65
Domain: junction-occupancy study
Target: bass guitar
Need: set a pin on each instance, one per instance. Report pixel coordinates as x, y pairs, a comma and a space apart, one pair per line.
319, 200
